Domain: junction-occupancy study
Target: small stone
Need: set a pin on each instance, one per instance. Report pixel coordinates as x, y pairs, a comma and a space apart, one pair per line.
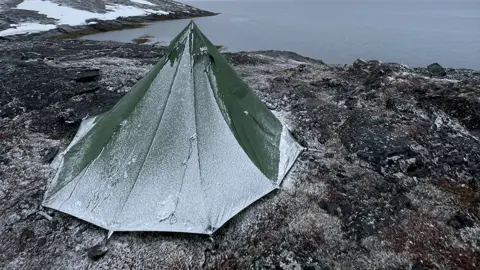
41, 241
271, 106
4, 160
420, 266
332, 208
51, 153
45, 215
384, 187
88, 75
437, 70
359, 63
27, 234
329, 155
25, 237
96, 252
390, 104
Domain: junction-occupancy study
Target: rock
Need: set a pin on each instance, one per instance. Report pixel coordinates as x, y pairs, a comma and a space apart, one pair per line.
4, 160
421, 266
4, 25
271, 105
45, 215
26, 236
64, 28
437, 70
96, 252
41, 241
332, 208
51, 153
329, 155
88, 76
460, 221
359, 64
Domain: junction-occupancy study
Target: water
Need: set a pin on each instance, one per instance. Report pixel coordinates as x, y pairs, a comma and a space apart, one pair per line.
413, 32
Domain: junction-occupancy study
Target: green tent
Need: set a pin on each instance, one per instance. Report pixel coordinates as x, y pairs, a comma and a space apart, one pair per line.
185, 150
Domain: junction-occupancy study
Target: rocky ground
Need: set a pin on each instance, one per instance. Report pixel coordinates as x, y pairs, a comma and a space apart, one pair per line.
390, 180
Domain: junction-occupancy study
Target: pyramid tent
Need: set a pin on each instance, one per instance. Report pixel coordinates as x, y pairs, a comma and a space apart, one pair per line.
185, 150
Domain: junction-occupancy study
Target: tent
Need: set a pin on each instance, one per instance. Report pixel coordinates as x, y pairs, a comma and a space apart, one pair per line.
186, 149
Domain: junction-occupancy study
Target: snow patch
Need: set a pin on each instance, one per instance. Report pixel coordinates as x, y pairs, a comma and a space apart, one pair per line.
26, 28
71, 16
142, 2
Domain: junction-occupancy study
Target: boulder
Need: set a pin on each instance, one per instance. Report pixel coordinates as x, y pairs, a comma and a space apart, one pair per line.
437, 70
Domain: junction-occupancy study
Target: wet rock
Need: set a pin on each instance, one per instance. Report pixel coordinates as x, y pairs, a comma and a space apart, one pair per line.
437, 70
87, 76
96, 252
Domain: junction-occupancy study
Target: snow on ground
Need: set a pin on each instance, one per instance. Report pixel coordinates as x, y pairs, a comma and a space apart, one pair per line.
26, 28
71, 16
142, 2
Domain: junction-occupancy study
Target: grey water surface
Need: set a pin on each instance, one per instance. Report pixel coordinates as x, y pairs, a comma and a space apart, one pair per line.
413, 32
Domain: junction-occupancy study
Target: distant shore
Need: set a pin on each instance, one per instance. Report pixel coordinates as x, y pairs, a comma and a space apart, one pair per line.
28, 24
100, 26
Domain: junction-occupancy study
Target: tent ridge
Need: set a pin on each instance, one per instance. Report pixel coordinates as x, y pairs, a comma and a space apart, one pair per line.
185, 163
195, 104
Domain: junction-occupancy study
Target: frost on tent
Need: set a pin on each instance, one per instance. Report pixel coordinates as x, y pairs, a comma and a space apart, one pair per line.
185, 150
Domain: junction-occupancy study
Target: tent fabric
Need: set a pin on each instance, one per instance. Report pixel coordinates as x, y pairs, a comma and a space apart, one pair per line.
185, 150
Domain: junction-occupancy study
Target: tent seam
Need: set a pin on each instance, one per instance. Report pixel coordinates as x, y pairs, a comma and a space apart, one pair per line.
198, 148
152, 140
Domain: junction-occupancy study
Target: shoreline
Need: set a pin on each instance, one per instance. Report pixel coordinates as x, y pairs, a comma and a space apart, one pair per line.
100, 26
